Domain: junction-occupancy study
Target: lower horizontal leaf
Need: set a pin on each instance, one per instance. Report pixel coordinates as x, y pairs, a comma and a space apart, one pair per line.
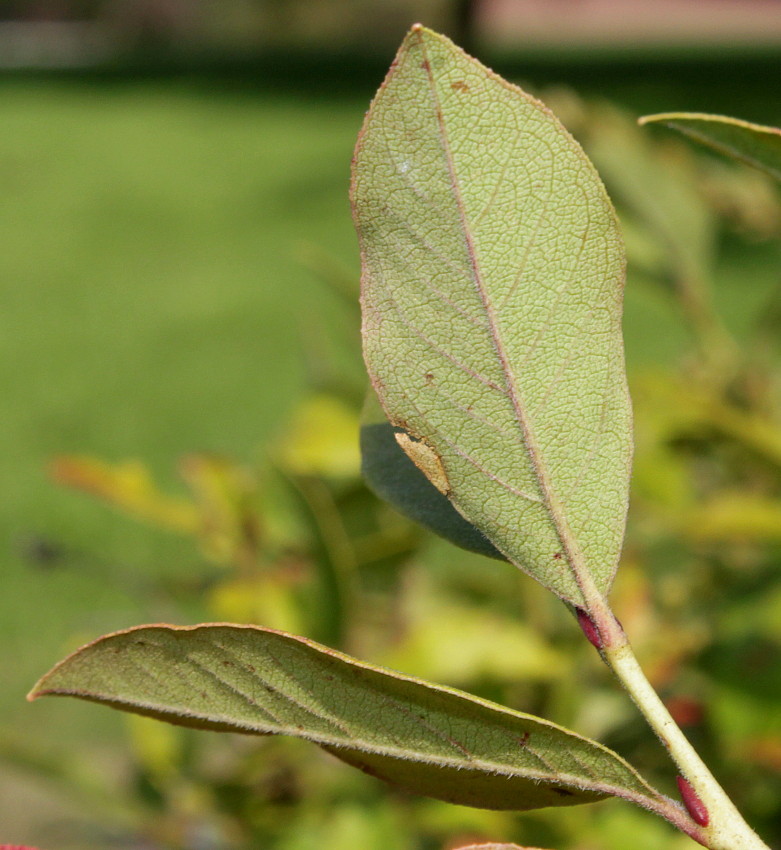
427, 739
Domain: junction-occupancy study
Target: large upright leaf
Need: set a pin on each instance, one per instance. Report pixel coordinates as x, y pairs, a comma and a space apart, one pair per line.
492, 287
753, 144
428, 739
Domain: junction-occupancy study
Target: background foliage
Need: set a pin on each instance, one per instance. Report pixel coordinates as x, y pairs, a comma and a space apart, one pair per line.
179, 278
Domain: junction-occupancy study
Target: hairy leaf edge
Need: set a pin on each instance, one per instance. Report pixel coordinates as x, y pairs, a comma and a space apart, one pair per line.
654, 801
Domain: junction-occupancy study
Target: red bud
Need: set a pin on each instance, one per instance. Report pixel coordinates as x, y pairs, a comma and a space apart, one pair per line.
694, 805
589, 628
16, 847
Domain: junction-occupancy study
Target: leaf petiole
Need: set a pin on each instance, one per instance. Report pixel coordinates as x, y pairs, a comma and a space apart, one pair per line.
725, 828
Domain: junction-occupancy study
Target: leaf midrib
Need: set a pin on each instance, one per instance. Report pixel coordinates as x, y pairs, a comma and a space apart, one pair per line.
573, 554
352, 743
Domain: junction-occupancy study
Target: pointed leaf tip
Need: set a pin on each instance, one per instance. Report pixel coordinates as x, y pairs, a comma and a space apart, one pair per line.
492, 284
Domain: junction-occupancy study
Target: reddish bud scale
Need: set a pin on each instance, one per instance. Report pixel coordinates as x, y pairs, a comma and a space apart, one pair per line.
589, 628
16, 847
694, 805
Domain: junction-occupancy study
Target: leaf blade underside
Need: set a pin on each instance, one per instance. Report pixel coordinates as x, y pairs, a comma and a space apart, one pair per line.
428, 739
492, 284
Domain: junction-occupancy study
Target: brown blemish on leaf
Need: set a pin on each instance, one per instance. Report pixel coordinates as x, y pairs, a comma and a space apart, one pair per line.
426, 460
425, 65
459, 85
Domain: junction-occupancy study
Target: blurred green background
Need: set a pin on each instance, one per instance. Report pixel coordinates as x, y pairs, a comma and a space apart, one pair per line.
182, 385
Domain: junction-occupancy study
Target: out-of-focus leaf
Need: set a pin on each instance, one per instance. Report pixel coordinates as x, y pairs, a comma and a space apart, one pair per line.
458, 644
669, 408
765, 752
156, 746
444, 822
267, 597
757, 432
751, 665
227, 497
492, 290
743, 198
329, 270
739, 717
321, 439
660, 475
737, 516
342, 824
622, 828
753, 144
495, 847
394, 477
427, 739
128, 486
658, 189
223, 512
655, 187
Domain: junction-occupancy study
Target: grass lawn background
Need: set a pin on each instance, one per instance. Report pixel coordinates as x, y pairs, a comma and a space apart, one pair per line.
153, 300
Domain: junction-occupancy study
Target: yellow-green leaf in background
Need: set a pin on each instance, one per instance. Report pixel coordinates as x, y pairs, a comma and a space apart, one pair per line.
753, 144
129, 486
459, 644
492, 287
733, 516
320, 440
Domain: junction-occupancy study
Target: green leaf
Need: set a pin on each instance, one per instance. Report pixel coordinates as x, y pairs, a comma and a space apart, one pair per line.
732, 516
391, 474
320, 440
430, 740
753, 144
659, 194
492, 288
